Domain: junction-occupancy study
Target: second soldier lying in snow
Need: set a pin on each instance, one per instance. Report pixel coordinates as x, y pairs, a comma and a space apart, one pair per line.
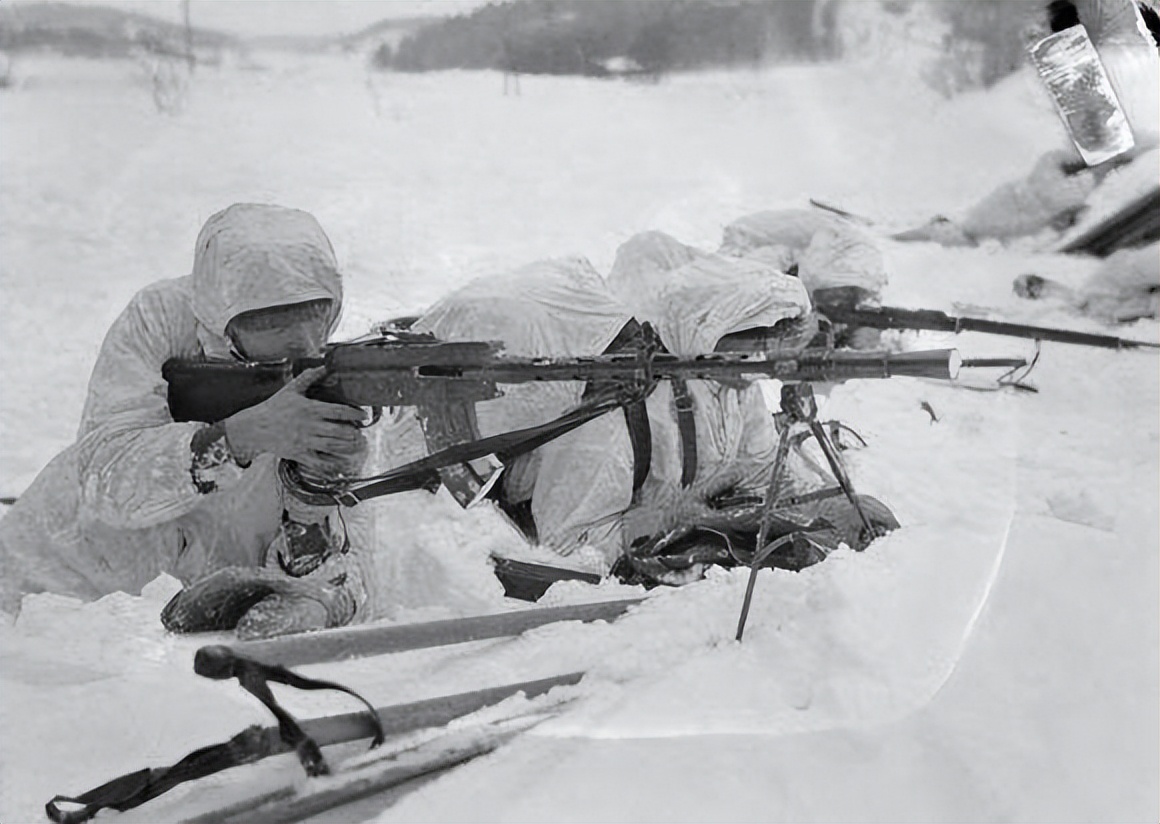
586, 492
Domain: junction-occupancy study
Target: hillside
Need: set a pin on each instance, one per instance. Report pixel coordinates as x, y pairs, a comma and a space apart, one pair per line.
391, 30
93, 30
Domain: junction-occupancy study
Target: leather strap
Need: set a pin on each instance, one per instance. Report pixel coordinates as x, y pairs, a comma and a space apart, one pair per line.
687, 427
640, 435
630, 337
599, 397
505, 446
252, 744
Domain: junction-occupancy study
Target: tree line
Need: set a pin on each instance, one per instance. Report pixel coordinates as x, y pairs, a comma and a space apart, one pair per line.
984, 39
589, 37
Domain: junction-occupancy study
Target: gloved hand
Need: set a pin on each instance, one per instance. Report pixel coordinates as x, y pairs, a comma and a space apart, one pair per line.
264, 602
323, 437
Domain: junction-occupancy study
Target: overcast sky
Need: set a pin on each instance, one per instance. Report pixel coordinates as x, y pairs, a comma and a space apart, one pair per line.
249, 17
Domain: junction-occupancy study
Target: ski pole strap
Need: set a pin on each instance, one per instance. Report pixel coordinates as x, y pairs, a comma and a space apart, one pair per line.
256, 743
135, 788
219, 662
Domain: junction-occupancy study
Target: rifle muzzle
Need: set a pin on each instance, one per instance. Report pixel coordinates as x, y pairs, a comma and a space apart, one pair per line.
943, 364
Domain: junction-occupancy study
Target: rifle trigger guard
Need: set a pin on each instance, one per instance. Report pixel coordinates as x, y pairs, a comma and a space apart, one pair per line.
310, 492
376, 416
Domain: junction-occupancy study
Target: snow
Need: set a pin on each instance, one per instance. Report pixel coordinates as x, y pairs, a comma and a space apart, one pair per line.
995, 659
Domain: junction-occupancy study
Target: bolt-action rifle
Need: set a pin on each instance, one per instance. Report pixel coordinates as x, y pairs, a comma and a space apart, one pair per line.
445, 379
893, 317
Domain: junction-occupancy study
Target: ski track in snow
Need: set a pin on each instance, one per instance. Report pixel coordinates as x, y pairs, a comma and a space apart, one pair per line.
995, 659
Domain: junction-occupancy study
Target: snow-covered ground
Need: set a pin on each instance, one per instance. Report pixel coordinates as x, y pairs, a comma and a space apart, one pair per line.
994, 660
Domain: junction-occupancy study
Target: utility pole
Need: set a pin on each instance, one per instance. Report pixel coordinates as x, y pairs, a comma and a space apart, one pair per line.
189, 55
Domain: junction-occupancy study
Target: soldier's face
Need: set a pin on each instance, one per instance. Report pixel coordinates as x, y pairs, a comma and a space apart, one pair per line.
295, 331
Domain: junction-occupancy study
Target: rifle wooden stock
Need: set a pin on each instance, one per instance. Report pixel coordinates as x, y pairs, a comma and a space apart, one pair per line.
388, 373
893, 317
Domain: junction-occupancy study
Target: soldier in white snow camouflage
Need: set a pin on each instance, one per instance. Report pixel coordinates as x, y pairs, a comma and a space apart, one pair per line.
578, 494
139, 494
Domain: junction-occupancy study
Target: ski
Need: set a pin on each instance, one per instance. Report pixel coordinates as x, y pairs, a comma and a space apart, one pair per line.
388, 775
256, 743
359, 642
257, 663
1136, 224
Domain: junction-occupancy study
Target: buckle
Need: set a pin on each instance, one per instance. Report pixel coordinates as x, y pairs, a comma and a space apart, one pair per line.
346, 497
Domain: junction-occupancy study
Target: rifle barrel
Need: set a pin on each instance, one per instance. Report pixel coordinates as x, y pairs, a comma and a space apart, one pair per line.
375, 376
892, 317
1005, 363
815, 365
1020, 330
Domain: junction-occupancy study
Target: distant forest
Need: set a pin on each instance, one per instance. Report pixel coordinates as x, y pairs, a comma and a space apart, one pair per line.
602, 37
587, 37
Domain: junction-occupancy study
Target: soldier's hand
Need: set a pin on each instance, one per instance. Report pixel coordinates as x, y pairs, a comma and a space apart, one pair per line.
323, 437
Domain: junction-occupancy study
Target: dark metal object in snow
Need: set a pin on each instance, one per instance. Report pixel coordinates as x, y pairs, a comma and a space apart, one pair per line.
527, 581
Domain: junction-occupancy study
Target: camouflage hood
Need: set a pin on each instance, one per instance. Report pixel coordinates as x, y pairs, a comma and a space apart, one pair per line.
254, 256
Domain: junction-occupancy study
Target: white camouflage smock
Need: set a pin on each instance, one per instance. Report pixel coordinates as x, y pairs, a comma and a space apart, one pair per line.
580, 485
120, 506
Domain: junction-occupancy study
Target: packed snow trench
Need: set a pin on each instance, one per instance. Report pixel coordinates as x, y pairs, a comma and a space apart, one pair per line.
996, 659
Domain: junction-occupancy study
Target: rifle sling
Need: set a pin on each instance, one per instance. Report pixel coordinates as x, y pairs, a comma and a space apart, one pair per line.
640, 435
506, 446
631, 337
600, 397
687, 428
440, 429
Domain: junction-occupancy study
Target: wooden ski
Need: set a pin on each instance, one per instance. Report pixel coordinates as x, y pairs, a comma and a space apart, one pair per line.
1136, 224
359, 642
